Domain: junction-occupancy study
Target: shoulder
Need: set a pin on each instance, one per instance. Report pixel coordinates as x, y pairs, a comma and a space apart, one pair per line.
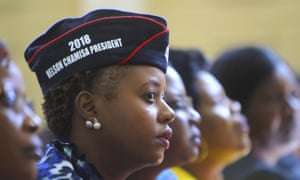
243, 168
55, 165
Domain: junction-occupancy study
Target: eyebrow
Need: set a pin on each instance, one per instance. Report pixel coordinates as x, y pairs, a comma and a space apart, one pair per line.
152, 82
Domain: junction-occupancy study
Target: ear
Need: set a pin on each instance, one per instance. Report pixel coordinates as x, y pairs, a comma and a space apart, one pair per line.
85, 104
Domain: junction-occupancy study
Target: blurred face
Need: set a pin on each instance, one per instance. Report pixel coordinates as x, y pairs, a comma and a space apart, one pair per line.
186, 140
274, 110
20, 145
135, 123
223, 126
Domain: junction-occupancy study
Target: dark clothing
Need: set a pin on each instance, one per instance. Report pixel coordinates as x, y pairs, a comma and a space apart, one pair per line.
291, 166
252, 168
62, 161
266, 174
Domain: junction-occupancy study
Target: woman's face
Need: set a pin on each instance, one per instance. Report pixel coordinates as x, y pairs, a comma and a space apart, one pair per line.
20, 145
135, 123
223, 126
186, 140
274, 109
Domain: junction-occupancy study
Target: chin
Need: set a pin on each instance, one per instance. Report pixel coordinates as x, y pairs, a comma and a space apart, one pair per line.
244, 145
242, 150
157, 159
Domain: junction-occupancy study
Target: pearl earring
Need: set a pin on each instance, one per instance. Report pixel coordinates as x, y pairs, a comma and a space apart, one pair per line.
93, 123
97, 124
88, 124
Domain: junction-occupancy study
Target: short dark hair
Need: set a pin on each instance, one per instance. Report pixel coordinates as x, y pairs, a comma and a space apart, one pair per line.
59, 103
242, 70
188, 62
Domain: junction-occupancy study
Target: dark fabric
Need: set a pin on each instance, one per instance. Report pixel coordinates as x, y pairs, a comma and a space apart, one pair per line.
251, 168
63, 161
266, 175
244, 168
98, 39
290, 165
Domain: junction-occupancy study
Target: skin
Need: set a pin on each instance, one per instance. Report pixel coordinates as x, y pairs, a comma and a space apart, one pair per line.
223, 128
297, 151
19, 124
275, 105
186, 139
184, 145
135, 131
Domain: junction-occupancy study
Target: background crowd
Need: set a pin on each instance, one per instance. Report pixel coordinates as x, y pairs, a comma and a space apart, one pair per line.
148, 109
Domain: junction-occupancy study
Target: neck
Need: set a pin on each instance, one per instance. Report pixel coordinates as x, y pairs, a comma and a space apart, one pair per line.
149, 173
110, 162
109, 166
205, 170
211, 168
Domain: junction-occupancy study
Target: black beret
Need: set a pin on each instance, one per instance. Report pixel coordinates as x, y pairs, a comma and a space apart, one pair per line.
100, 38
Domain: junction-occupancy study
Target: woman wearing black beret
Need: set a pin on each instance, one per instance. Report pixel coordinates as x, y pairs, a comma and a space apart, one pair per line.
102, 77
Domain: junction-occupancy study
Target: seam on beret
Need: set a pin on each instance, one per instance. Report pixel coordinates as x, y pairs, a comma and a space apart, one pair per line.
142, 45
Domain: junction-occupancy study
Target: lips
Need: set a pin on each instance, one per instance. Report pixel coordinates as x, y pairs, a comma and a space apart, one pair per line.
244, 127
196, 137
165, 137
33, 150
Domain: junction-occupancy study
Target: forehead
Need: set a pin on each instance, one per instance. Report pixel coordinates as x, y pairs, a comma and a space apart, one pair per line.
174, 82
144, 75
208, 84
282, 78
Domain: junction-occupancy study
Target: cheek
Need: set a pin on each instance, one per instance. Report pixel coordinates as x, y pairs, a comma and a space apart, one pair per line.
180, 129
216, 129
9, 154
137, 117
266, 117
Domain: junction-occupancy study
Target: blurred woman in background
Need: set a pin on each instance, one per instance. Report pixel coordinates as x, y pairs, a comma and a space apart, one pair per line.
224, 129
267, 89
20, 145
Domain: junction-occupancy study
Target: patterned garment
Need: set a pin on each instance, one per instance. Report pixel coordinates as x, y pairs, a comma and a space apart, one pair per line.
63, 162
182, 173
166, 174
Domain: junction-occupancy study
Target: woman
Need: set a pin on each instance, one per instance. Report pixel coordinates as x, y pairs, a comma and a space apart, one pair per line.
186, 139
102, 77
21, 147
224, 129
267, 89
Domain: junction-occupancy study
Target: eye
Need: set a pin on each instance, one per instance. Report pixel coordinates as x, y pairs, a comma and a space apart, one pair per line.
180, 103
30, 104
175, 104
8, 98
151, 96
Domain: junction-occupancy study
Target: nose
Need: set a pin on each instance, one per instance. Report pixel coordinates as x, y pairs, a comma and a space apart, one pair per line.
32, 121
293, 102
235, 106
167, 114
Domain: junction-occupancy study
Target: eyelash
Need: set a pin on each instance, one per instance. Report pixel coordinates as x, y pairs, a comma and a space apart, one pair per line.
151, 96
8, 98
